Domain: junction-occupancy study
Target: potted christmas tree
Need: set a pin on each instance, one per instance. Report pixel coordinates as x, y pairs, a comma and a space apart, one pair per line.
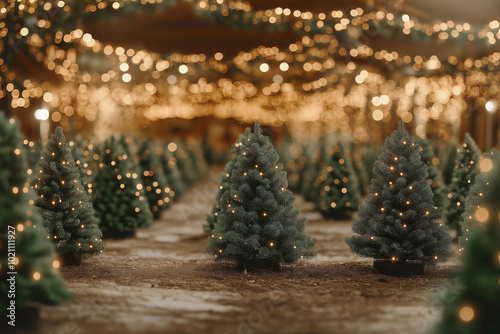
66, 208
174, 177
36, 279
258, 225
474, 307
226, 179
398, 224
338, 190
118, 195
153, 178
463, 177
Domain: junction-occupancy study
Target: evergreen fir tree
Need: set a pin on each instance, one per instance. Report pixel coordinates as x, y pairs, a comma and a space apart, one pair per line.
338, 190
33, 150
82, 155
153, 178
174, 177
36, 279
118, 195
257, 218
226, 179
464, 175
66, 208
295, 160
398, 221
436, 182
471, 222
361, 170
447, 157
186, 164
311, 171
474, 308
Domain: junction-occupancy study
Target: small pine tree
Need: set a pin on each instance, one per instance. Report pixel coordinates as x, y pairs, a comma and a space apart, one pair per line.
294, 158
464, 175
257, 218
118, 195
447, 157
36, 279
338, 191
186, 164
435, 179
358, 152
81, 151
174, 177
67, 211
226, 180
471, 221
153, 178
33, 149
398, 221
311, 171
474, 307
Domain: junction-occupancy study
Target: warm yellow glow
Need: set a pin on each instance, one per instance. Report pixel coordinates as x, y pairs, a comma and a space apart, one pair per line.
466, 313
36, 276
486, 165
482, 215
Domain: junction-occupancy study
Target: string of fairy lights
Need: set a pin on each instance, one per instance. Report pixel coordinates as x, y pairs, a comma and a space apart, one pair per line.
278, 86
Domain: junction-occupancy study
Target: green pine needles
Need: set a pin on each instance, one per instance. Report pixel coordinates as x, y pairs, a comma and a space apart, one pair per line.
118, 195
36, 279
257, 218
66, 208
474, 308
435, 179
398, 221
226, 179
463, 177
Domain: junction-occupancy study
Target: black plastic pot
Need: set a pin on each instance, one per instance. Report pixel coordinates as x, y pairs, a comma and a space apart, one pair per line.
70, 259
399, 268
257, 264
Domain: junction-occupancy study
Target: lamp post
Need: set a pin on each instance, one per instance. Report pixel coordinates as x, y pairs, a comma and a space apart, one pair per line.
43, 115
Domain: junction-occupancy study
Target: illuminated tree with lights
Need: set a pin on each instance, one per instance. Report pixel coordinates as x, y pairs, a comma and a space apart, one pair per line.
82, 152
359, 151
398, 221
338, 190
464, 175
191, 162
153, 178
294, 159
312, 168
226, 179
118, 197
474, 308
258, 221
475, 215
37, 279
66, 208
435, 179
174, 177
33, 149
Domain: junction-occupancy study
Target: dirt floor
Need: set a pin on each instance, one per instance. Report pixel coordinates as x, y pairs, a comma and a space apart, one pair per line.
162, 281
